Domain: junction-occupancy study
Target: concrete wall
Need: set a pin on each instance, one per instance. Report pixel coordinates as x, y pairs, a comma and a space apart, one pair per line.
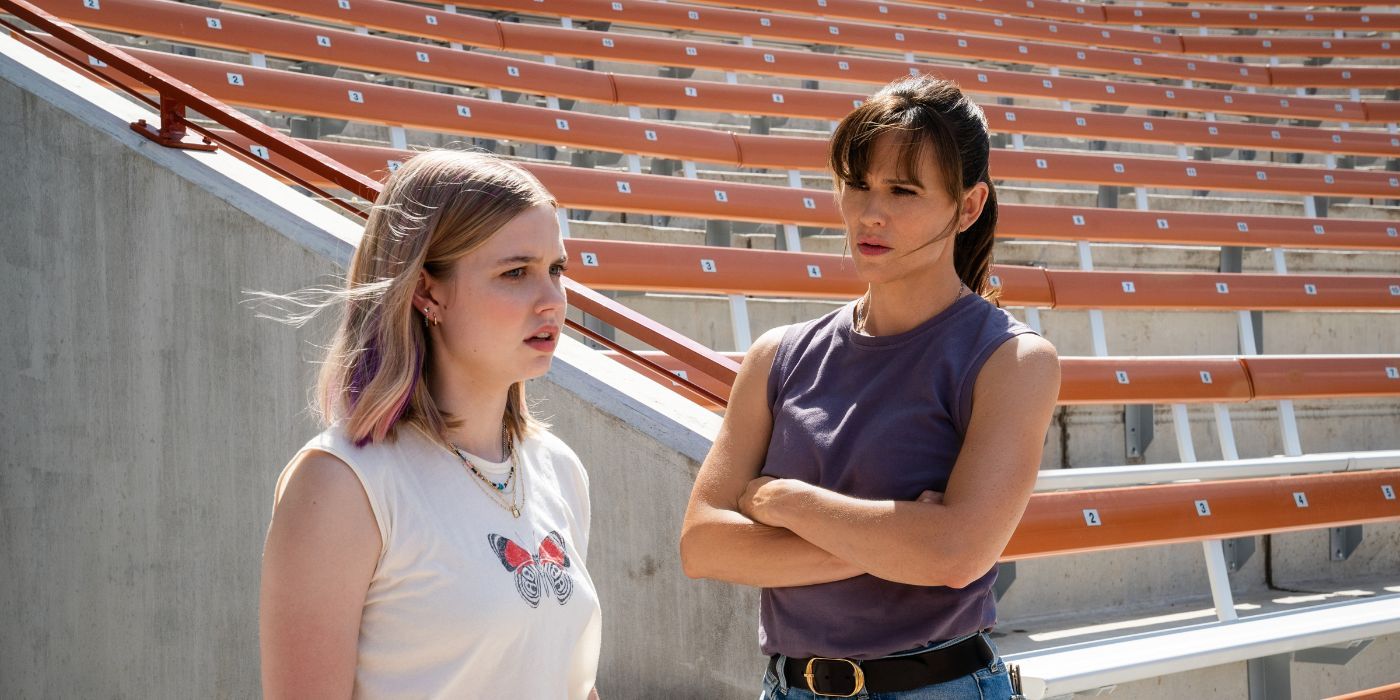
147, 413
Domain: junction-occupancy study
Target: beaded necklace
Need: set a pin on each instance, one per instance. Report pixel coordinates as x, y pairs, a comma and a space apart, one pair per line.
516, 502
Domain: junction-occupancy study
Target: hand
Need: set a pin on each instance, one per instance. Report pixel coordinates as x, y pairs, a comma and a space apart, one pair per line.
934, 497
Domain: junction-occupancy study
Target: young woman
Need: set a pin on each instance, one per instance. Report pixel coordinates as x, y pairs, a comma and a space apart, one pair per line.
431, 542
873, 463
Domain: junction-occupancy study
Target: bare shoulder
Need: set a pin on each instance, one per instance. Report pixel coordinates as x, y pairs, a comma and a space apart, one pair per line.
321, 494
1027, 362
765, 348
319, 475
757, 365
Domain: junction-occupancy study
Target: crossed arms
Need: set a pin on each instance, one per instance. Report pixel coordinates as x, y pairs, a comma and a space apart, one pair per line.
773, 533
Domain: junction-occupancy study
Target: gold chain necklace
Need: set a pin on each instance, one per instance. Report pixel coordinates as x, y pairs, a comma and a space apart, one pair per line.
516, 503
858, 325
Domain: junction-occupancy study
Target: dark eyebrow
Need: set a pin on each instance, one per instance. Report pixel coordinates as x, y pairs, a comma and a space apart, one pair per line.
903, 181
528, 260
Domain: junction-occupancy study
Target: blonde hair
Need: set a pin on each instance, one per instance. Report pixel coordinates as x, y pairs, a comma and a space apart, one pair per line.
437, 207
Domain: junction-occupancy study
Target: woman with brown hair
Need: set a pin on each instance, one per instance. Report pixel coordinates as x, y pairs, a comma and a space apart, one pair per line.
873, 463
431, 542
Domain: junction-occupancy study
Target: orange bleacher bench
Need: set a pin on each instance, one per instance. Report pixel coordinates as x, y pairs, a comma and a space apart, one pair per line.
1196, 379
629, 192
633, 266
441, 26
907, 39
1256, 19
1387, 692
1071, 28
346, 99
243, 32
1067, 522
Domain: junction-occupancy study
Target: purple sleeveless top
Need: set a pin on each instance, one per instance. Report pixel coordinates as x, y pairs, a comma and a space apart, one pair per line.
877, 418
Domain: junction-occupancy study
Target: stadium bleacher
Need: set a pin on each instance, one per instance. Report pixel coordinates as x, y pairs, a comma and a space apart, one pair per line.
731, 152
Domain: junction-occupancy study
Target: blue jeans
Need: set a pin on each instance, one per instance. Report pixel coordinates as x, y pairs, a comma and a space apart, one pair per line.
990, 683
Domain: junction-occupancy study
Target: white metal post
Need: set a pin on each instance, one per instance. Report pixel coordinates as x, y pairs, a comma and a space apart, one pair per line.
1096, 331
1219, 576
1181, 424
1033, 319
739, 317
792, 239
563, 215
1248, 345
1216, 570
1226, 429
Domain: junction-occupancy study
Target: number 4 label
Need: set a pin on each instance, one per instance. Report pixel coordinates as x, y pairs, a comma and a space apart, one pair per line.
1300, 499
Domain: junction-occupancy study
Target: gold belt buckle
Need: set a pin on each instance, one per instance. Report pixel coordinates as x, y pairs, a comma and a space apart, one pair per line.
811, 677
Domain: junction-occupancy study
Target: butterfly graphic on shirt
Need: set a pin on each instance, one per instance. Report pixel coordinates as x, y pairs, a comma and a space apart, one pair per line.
534, 571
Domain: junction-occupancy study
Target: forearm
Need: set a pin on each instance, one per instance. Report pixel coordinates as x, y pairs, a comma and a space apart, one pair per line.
726, 546
905, 541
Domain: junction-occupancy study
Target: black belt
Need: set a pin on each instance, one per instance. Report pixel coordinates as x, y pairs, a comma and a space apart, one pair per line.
846, 677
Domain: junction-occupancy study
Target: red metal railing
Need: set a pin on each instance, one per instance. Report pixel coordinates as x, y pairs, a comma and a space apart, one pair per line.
174, 97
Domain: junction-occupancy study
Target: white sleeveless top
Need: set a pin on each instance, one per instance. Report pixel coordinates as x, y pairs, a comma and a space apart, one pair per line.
467, 601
